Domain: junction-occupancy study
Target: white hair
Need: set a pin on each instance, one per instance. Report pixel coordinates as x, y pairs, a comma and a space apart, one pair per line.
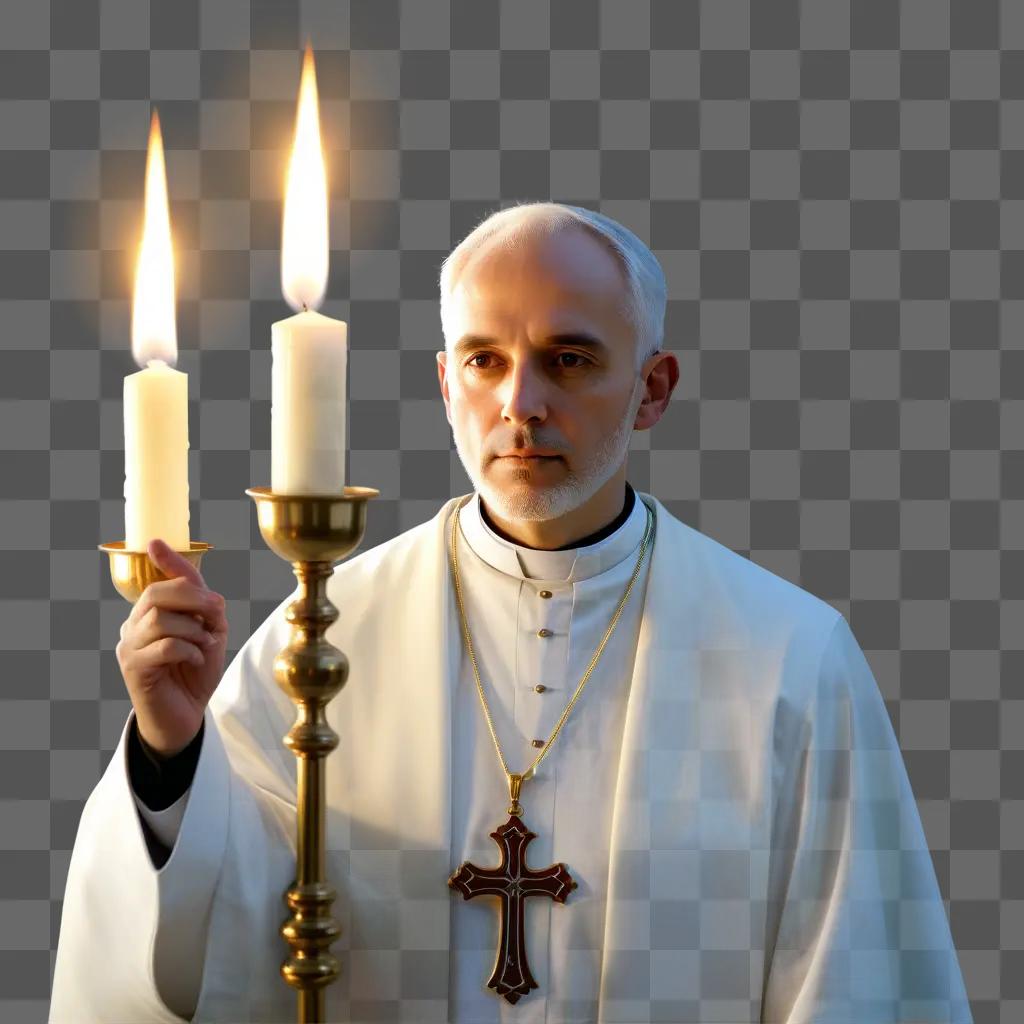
645, 305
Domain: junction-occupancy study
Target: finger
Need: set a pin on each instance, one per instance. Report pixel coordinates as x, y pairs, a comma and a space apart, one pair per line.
216, 621
168, 650
178, 595
171, 564
170, 624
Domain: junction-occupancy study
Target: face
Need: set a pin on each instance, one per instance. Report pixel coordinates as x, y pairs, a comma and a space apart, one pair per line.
541, 356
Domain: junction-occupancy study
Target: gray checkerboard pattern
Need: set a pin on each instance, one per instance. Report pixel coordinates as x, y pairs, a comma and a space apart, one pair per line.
835, 190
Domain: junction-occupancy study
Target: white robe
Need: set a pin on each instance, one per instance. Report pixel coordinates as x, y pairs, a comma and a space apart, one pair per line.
765, 858
505, 583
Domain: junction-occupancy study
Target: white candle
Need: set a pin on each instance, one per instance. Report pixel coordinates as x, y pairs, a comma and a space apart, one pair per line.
156, 397
156, 457
307, 410
309, 350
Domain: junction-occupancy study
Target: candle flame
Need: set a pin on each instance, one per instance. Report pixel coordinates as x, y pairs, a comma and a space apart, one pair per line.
153, 330
304, 245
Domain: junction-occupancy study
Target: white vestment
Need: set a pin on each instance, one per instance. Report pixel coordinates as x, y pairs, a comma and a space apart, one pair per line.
728, 792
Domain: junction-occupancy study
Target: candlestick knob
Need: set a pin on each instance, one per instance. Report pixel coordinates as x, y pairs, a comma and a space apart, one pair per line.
132, 571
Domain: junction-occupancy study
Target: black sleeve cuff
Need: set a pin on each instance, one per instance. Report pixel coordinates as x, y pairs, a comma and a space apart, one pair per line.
157, 781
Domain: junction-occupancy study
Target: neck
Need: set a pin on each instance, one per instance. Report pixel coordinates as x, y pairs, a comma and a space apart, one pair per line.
628, 500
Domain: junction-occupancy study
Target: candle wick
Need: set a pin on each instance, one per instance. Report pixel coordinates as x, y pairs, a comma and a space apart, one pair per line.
305, 308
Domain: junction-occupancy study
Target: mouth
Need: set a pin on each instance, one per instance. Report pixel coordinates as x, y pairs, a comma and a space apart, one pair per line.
529, 462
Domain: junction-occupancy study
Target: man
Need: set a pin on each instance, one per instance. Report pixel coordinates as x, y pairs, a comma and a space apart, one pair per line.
698, 746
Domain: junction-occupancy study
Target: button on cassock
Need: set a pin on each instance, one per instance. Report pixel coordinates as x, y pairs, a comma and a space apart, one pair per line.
545, 593
543, 632
540, 688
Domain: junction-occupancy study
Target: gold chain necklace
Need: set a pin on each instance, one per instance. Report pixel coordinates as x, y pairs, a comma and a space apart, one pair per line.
512, 881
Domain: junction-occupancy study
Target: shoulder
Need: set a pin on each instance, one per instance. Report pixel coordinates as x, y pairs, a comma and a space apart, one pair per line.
398, 555
720, 605
738, 589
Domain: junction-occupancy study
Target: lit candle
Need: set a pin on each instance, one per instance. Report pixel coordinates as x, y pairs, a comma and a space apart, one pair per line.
309, 350
156, 397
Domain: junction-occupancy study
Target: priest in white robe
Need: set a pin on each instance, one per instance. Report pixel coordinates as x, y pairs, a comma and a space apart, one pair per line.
727, 792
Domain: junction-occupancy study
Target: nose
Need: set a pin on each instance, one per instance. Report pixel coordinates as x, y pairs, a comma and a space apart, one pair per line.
523, 395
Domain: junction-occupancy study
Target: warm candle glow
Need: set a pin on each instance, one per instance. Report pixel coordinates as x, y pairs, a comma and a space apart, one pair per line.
153, 331
304, 244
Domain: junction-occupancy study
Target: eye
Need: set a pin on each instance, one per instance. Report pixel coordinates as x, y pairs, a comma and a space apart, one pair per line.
573, 355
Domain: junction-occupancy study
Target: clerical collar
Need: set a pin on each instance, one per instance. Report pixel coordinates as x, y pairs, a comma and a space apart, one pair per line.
593, 554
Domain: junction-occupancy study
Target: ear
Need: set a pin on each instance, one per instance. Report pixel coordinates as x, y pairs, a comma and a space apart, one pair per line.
660, 382
442, 379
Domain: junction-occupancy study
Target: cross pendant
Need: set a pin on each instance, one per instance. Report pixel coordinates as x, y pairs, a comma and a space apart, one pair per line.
512, 882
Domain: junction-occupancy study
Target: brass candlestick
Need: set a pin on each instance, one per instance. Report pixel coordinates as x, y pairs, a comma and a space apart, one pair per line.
312, 531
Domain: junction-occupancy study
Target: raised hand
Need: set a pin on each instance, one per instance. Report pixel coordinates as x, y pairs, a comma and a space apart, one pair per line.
171, 652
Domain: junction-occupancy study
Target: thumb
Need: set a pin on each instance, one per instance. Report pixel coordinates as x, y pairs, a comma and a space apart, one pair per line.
171, 564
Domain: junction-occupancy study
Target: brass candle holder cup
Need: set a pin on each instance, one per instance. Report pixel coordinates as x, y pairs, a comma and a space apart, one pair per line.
132, 571
312, 532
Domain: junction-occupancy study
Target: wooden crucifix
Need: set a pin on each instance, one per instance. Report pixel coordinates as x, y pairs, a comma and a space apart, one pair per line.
512, 882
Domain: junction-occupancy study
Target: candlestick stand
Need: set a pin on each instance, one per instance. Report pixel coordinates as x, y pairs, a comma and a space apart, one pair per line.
312, 532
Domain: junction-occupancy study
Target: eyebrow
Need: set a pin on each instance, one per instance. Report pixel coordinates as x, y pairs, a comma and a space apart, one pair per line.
578, 338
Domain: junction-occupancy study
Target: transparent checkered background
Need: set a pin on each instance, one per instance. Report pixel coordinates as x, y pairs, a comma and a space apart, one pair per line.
835, 191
